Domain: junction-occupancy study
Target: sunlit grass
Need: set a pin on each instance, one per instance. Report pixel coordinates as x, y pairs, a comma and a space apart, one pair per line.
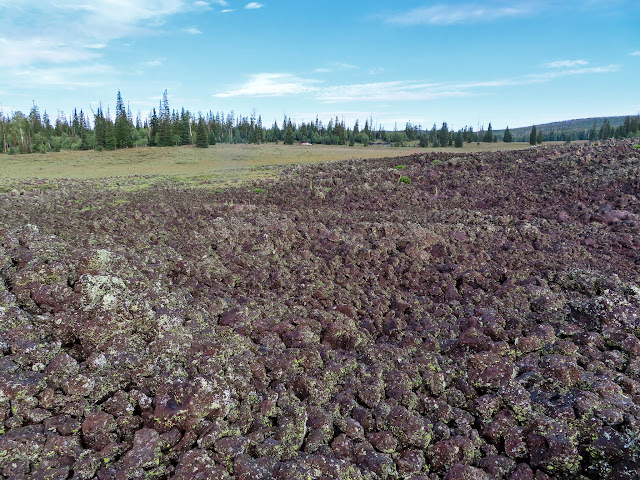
215, 166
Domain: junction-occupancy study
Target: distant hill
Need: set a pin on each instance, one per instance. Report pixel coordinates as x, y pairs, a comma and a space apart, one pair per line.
577, 129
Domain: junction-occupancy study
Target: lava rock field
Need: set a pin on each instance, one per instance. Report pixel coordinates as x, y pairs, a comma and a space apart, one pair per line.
480, 321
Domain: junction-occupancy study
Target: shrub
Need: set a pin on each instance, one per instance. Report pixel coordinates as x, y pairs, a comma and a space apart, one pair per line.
400, 167
404, 179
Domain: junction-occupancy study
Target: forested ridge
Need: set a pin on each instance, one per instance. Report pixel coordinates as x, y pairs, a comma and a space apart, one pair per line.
164, 127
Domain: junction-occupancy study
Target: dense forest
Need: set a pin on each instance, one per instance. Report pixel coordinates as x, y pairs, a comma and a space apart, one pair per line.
164, 127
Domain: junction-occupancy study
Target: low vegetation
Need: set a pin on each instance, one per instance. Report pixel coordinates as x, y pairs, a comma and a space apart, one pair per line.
219, 166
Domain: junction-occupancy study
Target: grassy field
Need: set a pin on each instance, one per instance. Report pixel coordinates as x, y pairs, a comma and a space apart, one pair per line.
215, 166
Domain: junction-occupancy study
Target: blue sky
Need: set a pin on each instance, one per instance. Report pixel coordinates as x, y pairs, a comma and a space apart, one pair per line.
464, 62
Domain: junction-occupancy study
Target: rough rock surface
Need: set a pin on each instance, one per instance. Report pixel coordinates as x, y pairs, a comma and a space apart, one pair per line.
482, 321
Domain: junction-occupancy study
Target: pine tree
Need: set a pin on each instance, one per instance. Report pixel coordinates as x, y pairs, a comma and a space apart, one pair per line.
488, 136
164, 133
153, 129
99, 126
202, 141
593, 132
507, 138
533, 137
34, 119
443, 135
459, 141
605, 130
185, 127
110, 135
123, 125
288, 134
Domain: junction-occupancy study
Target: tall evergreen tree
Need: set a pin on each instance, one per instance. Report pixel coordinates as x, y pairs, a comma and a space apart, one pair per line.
508, 137
459, 141
99, 126
443, 135
164, 137
593, 132
488, 136
288, 134
34, 119
202, 141
109, 134
185, 127
605, 130
533, 137
123, 125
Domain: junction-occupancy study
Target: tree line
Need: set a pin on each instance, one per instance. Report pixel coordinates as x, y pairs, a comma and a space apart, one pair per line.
165, 127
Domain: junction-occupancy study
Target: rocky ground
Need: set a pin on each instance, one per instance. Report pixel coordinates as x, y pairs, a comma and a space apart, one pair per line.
426, 317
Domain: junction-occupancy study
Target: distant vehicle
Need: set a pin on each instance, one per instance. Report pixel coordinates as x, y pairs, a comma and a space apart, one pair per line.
306, 143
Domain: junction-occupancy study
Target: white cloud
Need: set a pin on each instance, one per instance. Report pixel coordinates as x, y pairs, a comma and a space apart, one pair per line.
192, 31
344, 66
60, 32
90, 75
387, 92
445, 14
28, 51
539, 77
566, 63
272, 85
158, 62
227, 10
253, 5
636, 53
284, 84
333, 66
202, 5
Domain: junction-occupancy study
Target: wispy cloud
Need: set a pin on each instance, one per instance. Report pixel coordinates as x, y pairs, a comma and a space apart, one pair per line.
28, 51
636, 53
539, 77
335, 66
227, 10
95, 24
284, 84
158, 62
386, 92
253, 6
446, 14
192, 31
345, 66
272, 85
566, 63
89, 75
